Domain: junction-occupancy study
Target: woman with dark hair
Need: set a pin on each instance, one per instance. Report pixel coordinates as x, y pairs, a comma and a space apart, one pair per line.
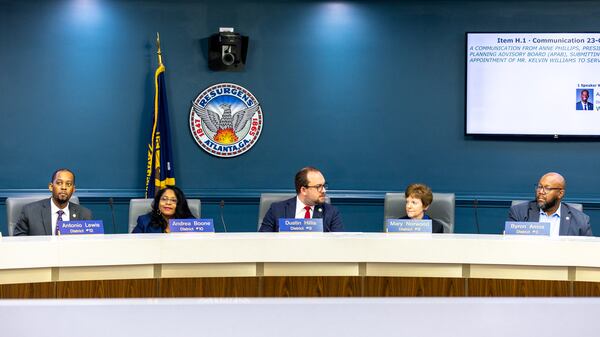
169, 203
418, 199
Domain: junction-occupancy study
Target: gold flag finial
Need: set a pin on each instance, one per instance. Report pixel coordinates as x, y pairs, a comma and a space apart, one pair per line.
158, 52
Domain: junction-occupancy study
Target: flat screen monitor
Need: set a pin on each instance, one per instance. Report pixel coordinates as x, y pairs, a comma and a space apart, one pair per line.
533, 84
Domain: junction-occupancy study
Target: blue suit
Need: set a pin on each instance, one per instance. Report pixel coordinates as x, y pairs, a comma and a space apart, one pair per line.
143, 225
579, 106
332, 221
572, 221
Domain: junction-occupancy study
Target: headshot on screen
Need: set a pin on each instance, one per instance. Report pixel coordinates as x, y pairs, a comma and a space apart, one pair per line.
584, 99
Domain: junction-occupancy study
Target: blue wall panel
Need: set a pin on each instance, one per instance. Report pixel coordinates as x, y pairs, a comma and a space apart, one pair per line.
371, 92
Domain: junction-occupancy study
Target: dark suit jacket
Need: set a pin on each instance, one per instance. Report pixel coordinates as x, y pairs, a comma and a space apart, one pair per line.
143, 225
35, 218
332, 221
572, 221
436, 226
579, 106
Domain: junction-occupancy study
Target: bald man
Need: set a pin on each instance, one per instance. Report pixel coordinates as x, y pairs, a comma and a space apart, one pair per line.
548, 207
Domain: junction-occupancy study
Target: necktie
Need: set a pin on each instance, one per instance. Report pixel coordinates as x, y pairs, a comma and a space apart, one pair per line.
307, 213
58, 219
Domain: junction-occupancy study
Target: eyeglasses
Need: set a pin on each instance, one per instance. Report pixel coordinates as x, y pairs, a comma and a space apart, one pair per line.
168, 200
320, 187
546, 189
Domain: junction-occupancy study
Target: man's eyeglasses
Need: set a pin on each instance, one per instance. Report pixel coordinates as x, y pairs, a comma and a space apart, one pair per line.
546, 189
319, 188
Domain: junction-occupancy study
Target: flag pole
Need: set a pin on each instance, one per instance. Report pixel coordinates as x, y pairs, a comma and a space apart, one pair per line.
158, 52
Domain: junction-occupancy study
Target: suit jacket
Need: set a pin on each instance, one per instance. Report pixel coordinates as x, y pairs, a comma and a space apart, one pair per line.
143, 225
579, 106
35, 218
572, 221
332, 221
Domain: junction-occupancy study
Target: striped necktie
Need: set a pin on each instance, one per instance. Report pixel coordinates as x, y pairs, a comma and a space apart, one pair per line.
58, 219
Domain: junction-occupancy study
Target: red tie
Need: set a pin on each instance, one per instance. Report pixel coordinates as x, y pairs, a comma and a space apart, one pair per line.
307, 213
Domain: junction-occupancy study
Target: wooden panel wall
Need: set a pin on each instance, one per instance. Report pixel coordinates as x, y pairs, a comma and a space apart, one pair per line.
313, 286
519, 288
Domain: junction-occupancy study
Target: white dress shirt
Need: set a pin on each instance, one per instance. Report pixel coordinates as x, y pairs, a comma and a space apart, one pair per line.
54, 215
300, 211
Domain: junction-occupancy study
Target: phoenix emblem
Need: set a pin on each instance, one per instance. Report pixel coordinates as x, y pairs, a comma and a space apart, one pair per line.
228, 125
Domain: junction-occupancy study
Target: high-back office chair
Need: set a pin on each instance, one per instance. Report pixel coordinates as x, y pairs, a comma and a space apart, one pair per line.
578, 207
139, 207
441, 209
266, 199
14, 205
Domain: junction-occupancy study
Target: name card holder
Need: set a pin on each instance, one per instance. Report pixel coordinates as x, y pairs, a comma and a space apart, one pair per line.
526, 228
408, 226
191, 226
80, 227
301, 225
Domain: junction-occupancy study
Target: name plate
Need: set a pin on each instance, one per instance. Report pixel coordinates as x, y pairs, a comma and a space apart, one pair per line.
191, 226
408, 226
80, 227
301, 225
526, 228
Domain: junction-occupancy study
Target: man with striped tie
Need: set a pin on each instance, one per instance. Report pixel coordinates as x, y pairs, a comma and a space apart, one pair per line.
41, 217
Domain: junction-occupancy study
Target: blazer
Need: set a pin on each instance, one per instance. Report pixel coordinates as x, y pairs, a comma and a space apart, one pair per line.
332, 221
35, 218
436, 226
572, 221
143, 225
579, 106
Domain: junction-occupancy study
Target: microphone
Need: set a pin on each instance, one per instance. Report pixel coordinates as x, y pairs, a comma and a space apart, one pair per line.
221, 207
475, 203
112, 212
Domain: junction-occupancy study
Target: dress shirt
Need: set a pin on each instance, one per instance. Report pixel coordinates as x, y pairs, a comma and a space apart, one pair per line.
300, 210
54, 215
553, 219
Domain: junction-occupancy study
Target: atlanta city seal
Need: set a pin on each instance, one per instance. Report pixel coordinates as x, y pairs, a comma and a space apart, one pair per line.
226, 120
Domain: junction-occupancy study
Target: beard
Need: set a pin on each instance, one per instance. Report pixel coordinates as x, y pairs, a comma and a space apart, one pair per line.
549, 204
61, 199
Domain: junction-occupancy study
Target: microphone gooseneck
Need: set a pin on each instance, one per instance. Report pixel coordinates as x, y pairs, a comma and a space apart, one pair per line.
475, 203
112, 213
221, 207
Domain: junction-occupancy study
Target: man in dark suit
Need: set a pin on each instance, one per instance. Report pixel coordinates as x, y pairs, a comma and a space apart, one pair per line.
548, 207
309, 202
584, 104
41, 217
